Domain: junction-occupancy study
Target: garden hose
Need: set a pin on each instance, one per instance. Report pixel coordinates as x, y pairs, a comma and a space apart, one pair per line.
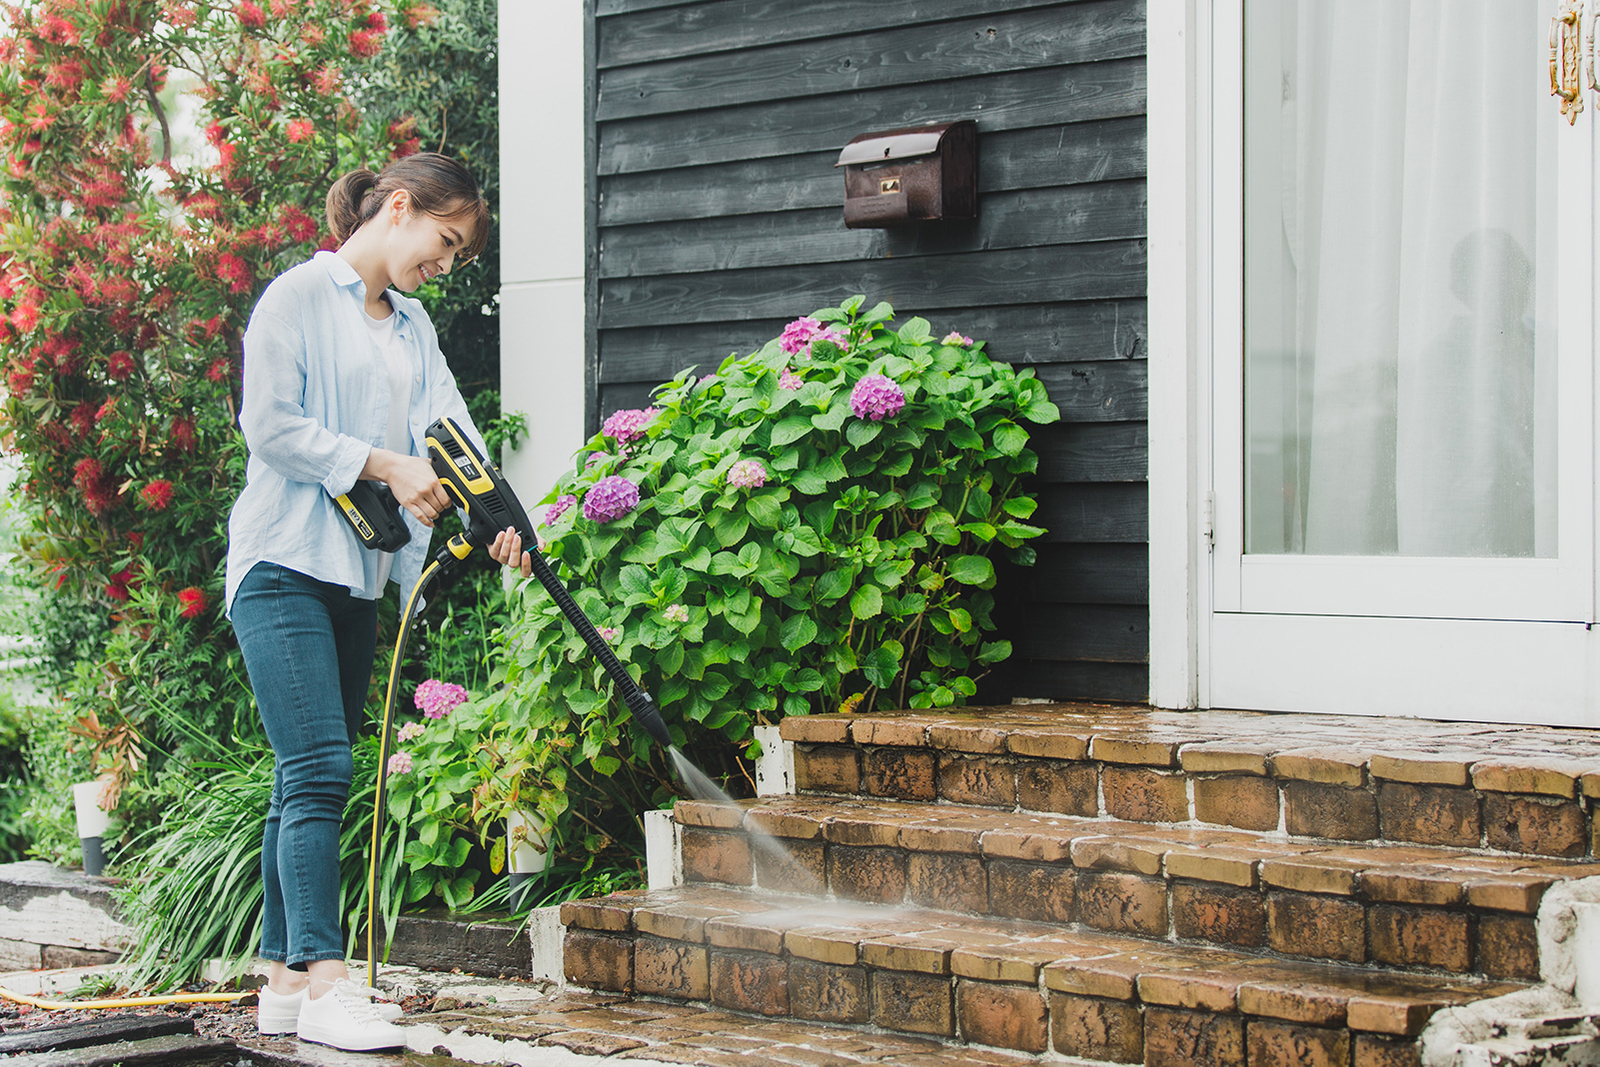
125, 1002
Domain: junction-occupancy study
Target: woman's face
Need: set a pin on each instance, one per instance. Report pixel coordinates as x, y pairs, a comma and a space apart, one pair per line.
421, 247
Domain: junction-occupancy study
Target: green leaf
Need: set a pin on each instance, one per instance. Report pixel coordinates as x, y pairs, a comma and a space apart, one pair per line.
730, 528
1010, 438
830, 586
863, 431
797, 632
833, 418
791, 429
1020, 506
883, 664
964, 436
994, 651
765, 510
867, 602
809, 482
961, 619
606, 765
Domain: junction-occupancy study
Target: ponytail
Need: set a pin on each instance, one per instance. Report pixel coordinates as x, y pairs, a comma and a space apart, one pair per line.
351, 202
437, 184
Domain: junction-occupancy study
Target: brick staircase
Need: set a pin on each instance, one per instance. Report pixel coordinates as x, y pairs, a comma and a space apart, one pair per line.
1118, 884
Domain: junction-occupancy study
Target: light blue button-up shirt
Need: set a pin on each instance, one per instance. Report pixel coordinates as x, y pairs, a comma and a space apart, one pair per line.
316, 402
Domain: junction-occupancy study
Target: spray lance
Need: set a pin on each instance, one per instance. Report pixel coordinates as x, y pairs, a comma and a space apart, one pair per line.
488, 507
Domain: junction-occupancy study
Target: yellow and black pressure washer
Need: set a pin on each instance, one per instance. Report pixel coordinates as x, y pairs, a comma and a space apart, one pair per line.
488, 507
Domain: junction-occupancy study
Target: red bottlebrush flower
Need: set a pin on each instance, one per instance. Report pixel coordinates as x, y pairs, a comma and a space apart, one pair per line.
313, 34
117, 587
191, 602
116, 89
122, 320
202, 204
377, 23
25, 317
5, 330
250, 16
162, 298
41, 118
99, 489
216, 133
85, 471
301, 227
119, 367
221, 370
149, 334
281, 8
58, 30
213, 327
329, 243
406, 148
7, 288
66, 76
327, 79
83, 419
183, 435
107, 409
136, 539
181, 15
300, 130
365, 43
230, 156
157, 494
420, 15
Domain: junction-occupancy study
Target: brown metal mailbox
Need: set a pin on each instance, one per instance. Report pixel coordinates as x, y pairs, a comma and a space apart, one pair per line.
911, 175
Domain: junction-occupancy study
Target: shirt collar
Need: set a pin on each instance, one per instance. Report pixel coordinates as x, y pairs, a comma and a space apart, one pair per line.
346, 277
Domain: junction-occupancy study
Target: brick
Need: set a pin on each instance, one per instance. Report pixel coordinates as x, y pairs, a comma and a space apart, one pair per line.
1220, 914
1225, 757
977, 780
896, 731
1556, 778
1192, 1039
913, 1003
1430, 814
1303, 1046
1048, 742
1330, 928
1005, 962
1241, 800
1422, 769
708, 814
977, 737
1325, 766
1508, 946
826, 769
1114, 976
1373, 1051
815, 729
877, 875
792, 867
1191, 987
53, 957
1031, 891
1400, 1016
1313, 874
1045, 845
742, 981
953, 883
1294, 1001
601, 913
750, 933
1133, 855
1123, 903
1419, 937
1590, 784
939, 834
1095, 1029
1313, 809
1507, 892
863, 826
789, 823
1214, 864
824, 944
1542, 826
907, 952
1414, 885
903, 773
716, 856
1006, 1016
671, 969
1137, 750
596, 961
827, 993
1145, 794
1067, 788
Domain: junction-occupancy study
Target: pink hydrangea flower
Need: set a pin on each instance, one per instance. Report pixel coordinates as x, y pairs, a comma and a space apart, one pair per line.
436, 699
676, 613
628, 424
608, 633
409, 731
790, 380
747, 474
956, 340
400, 763
797, 337
876, 397
611, 498
559, 508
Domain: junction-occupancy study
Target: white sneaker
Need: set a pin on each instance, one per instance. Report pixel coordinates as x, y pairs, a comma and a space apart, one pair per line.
345, 1019
279, 1013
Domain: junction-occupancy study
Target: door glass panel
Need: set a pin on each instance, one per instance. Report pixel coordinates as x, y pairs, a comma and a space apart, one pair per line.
1399, 308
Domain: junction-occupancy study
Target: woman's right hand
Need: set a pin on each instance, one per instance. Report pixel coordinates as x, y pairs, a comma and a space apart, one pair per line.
411, 480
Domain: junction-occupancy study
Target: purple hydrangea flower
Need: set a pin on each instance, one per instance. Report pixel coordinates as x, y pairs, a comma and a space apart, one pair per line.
608, 633
611, 498
747, 474
400, 763
559, 508
628, 424
797, 335
676, 613
956, 340
876, 397
436, 699
790, 380
409, 731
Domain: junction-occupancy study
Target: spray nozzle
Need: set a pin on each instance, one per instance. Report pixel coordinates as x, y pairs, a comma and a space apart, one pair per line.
648, 715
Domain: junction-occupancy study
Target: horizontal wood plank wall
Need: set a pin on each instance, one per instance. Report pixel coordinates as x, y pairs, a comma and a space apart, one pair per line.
719, 220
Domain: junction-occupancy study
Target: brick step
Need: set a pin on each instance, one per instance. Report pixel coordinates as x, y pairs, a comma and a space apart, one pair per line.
1521, 789
1406, 907
1026, 986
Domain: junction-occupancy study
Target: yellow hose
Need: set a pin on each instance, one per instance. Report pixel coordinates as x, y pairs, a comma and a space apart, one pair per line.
126, 1002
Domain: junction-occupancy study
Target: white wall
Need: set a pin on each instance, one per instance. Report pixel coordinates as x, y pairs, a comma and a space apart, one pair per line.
541, 236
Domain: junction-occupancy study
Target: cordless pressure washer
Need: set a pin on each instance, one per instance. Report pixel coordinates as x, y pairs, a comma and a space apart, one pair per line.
488, 507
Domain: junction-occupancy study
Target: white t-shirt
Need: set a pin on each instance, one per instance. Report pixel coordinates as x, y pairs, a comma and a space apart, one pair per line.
397, 438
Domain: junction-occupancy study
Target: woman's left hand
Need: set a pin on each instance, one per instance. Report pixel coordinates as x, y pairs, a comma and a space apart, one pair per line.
507, 549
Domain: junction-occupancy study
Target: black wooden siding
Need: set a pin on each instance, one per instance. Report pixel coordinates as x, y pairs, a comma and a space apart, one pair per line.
715, 219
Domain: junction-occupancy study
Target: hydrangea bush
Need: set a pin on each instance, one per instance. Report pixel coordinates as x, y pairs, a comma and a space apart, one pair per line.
809, 529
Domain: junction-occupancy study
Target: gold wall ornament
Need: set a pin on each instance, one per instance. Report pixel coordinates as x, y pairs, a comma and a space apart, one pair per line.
1566, 58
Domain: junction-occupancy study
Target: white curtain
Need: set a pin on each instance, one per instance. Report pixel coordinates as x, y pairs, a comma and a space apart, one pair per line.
1419, 417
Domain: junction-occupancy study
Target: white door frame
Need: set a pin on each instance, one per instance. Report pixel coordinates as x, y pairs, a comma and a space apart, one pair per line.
1196, 652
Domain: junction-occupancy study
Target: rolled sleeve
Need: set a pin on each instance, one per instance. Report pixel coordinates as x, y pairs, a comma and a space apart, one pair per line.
273, 416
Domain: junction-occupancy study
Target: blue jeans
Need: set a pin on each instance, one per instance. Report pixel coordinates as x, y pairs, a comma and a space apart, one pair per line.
309, 647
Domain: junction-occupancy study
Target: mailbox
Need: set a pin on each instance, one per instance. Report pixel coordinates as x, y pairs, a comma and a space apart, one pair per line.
911, 175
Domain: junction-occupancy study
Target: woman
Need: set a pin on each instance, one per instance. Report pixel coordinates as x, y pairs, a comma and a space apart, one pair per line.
342, 377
